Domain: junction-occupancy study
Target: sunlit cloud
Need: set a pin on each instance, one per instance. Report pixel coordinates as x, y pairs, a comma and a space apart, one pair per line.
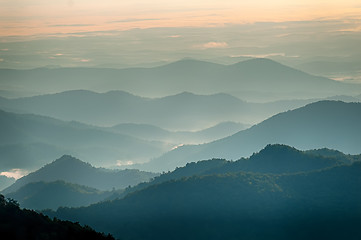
15, 173
174, 36
178, 146
214, 45
124, 163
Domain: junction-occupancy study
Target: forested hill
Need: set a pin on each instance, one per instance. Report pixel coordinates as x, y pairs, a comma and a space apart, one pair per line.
212, 203
19, 224
273, 159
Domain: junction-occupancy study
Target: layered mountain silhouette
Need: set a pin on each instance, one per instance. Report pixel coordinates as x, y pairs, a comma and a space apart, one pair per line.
309, 194
51, 195
181, 112
184, 111
273, 159
29, 141
72, 170
150, 132
258, 76
331, 124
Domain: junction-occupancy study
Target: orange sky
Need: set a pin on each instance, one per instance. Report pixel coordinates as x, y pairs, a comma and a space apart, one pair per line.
44, 17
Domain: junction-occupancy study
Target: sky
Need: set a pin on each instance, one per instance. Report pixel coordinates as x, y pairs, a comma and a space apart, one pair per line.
133, 33
44, 17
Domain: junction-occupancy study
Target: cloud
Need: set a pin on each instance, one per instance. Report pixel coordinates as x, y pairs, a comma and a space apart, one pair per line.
15, 173
215, 45
174, 36
124, 163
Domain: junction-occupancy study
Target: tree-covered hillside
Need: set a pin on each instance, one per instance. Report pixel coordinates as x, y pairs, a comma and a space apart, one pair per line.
273, 159
211, 203
18, 224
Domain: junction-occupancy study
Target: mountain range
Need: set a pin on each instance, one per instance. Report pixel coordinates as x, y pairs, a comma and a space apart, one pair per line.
331, 124
273, 159
252, 78
57, 184
209, 200
181, 112
75, 171
153, 133
29, 141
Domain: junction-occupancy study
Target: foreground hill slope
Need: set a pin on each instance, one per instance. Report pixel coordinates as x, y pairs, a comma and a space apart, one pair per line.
17, 224
330, 124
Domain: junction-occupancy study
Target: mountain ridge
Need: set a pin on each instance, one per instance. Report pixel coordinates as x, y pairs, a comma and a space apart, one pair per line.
29, 141
239, 204
73, 170
181, 76
328, 124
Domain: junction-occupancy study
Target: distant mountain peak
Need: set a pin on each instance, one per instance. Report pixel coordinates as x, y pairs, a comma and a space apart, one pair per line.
275, 149
189, 63
262, 63
185, 93
68, 161
66, 157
